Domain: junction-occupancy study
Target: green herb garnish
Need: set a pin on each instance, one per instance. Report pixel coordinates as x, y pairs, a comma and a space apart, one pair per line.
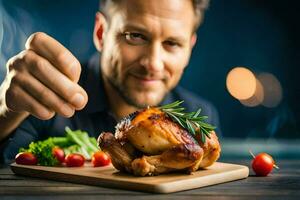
191, 121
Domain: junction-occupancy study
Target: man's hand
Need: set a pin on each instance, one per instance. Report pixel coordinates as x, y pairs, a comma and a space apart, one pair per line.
42, 79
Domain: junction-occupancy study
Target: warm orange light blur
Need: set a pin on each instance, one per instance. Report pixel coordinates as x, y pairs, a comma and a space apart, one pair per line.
265, 89
257, 97
272, 90
241, 83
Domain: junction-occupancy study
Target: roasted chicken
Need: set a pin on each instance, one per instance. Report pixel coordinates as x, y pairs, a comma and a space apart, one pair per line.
149, 142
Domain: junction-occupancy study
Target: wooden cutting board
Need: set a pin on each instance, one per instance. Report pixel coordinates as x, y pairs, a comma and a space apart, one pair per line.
109, 177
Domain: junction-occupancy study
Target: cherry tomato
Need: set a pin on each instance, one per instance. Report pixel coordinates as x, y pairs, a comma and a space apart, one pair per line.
100, 158
59, 154
262, 164
26, 158
74, 160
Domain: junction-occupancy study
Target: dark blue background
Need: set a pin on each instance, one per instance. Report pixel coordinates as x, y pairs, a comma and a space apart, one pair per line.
261, 35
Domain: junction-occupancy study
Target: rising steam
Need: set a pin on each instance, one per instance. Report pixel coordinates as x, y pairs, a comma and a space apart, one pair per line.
13, 33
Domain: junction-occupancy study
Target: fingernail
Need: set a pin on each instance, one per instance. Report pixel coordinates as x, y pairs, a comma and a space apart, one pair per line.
77, 100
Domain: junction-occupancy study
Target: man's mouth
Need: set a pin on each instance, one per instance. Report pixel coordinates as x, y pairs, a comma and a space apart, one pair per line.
147, 79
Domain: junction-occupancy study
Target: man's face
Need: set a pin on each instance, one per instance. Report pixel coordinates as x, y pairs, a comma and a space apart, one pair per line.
146, 47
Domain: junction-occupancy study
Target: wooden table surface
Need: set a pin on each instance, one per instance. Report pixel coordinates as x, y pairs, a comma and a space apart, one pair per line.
281, 184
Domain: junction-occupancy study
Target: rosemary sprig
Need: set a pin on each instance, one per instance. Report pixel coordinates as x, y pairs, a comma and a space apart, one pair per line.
191, 121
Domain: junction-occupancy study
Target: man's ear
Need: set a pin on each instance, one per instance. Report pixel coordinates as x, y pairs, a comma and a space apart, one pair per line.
99, 28
193, 40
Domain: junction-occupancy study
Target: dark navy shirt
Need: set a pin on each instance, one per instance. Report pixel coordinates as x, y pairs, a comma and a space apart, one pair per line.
94, 118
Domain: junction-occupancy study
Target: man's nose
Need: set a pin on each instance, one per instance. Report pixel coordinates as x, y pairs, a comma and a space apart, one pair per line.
153, 58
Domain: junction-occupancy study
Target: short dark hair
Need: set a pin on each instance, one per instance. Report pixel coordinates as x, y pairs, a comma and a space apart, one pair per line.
200, 6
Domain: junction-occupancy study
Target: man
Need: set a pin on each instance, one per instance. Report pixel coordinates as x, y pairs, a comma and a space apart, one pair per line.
145, 46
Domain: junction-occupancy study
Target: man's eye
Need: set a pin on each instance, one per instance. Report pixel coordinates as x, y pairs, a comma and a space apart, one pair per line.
171, 43
135, 38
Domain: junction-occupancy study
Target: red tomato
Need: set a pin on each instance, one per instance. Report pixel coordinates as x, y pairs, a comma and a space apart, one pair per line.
263, 164
59, 154
26, 158
100, 158
74, 160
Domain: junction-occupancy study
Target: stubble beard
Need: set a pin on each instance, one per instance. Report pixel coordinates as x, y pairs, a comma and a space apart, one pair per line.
123, 89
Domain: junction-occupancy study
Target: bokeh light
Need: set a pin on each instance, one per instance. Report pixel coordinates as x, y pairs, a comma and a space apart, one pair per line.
272, 89
241, 83
251, 91
257, 97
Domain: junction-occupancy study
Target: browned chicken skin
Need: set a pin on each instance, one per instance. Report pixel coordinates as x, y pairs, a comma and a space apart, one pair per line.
151, 144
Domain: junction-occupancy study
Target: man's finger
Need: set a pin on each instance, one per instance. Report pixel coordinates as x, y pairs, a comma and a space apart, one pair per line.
44, 95
56, 81
56, 53
28, 104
